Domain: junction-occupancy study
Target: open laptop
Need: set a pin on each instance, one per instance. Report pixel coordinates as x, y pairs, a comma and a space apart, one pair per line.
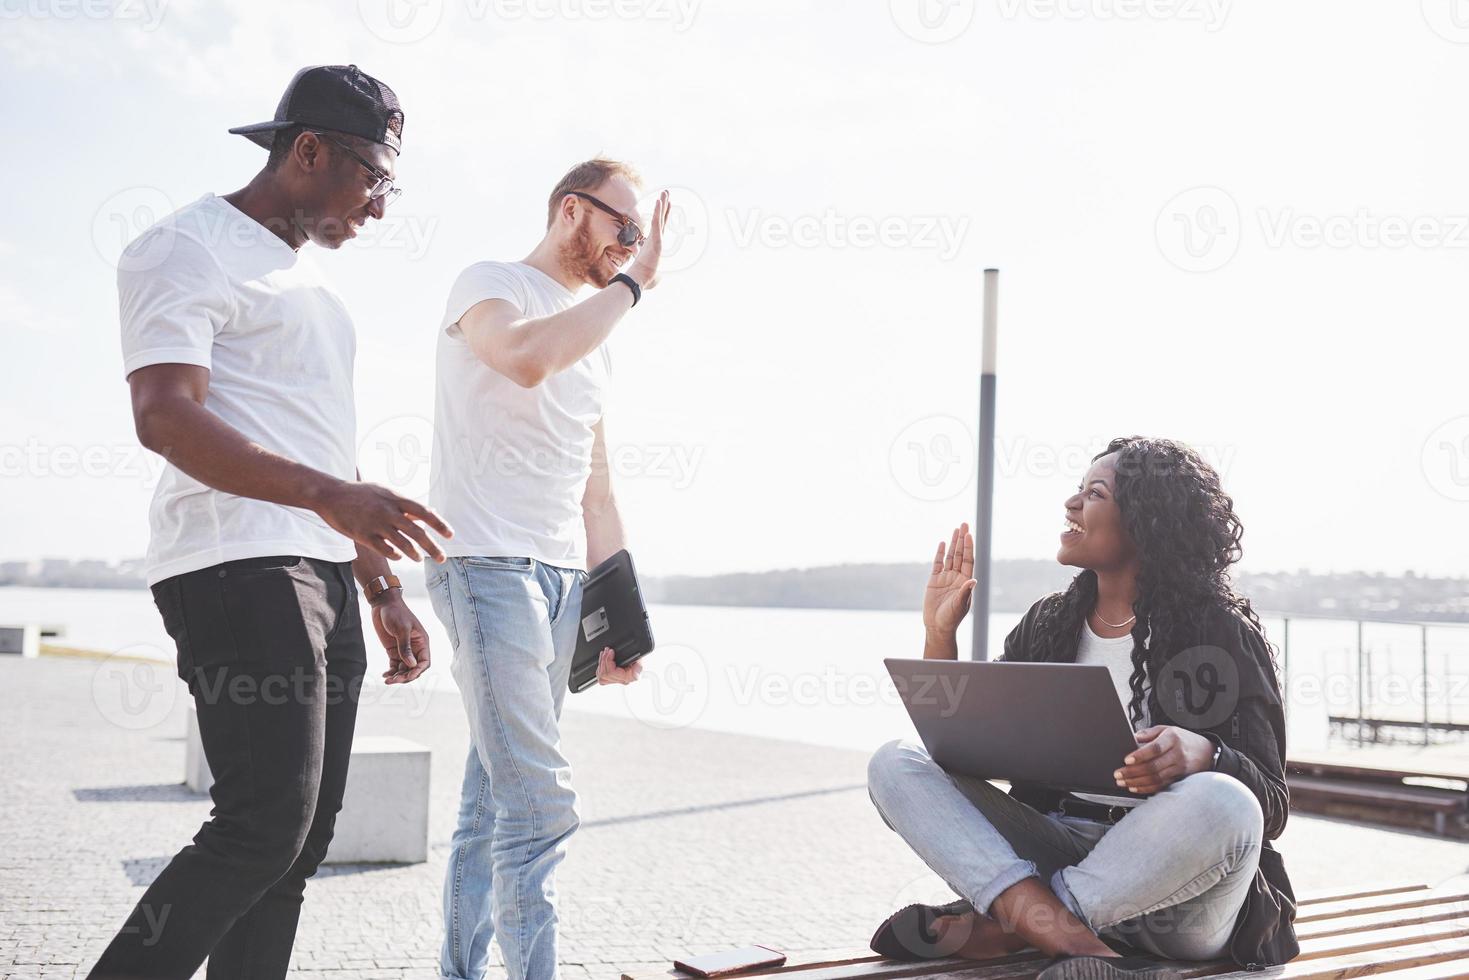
1056, 725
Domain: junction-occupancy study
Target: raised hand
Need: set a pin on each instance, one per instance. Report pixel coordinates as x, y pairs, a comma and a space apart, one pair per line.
644, 268
950, 584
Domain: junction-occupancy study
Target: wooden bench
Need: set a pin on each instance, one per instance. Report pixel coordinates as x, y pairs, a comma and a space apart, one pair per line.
1404, 932
1400, 805
1379, 785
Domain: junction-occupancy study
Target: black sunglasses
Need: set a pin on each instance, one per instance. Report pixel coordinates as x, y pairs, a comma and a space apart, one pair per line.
629, 233
384, 188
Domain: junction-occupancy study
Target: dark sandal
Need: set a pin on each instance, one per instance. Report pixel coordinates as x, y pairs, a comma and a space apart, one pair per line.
908, 933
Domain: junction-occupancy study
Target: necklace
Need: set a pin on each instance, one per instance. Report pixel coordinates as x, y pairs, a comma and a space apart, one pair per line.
1115, 626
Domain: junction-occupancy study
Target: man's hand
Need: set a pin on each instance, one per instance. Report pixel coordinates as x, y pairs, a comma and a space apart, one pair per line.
950, 584
380, 520
609, 673
644, 268
1166, 754
402, 635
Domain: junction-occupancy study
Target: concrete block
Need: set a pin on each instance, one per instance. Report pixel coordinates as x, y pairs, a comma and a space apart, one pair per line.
384, 814
20, 641
385, 810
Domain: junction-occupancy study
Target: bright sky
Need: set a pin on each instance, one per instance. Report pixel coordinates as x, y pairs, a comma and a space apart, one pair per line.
1243, 225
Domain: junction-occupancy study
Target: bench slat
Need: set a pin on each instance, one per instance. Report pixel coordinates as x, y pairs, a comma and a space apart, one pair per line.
1378, 920
1316, 898
1365, 964
1396, 936
1334, 910
1403, 930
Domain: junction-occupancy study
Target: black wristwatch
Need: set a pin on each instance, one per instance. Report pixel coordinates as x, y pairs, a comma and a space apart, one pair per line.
631, 283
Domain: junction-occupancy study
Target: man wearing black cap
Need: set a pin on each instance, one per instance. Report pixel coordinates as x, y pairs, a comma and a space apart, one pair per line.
239, 358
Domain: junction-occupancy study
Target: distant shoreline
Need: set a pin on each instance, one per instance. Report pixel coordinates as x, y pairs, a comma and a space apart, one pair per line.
1015, 585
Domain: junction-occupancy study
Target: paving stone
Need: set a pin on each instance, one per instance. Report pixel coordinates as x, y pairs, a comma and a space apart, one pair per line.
691, 841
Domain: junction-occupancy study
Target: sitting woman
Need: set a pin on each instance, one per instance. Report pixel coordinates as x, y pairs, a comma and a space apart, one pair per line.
1184, 873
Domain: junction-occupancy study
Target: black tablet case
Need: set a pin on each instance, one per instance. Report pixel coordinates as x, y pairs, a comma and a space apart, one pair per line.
612, 615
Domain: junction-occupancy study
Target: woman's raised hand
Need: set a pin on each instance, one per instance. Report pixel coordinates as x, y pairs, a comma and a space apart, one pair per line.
950, 584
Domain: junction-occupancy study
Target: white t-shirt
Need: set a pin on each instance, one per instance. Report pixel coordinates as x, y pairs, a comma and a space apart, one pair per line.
209, 285
1116, 655
510, 464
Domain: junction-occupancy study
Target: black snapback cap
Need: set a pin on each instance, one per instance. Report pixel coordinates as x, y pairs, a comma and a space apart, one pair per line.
341, 98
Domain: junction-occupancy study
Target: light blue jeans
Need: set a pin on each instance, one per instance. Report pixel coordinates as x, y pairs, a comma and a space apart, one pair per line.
1170, 877
513, 623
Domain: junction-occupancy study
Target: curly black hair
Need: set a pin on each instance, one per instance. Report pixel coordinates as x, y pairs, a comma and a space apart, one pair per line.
1187, 536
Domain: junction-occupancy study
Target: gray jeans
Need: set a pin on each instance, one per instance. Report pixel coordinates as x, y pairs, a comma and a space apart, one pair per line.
1169, 878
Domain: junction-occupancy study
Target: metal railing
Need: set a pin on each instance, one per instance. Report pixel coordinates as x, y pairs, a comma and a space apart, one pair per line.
1427, 724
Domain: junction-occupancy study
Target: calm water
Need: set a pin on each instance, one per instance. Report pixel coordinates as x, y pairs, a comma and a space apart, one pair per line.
817, 675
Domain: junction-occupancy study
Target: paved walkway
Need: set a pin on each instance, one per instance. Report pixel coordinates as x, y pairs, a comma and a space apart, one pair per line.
691, 840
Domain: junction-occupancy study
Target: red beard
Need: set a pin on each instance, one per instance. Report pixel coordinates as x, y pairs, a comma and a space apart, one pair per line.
583, 259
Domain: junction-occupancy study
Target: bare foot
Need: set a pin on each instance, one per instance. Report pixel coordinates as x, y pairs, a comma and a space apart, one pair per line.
983, 938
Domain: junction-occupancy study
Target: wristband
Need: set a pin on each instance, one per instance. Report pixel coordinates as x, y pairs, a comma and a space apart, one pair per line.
631, 283
381, 586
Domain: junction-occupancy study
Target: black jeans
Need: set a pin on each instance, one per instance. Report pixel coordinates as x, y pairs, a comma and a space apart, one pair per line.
272, 652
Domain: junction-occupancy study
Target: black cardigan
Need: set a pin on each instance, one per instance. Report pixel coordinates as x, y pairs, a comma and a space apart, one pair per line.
1251, 737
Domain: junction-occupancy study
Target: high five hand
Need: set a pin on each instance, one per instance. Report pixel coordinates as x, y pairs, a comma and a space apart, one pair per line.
644, 268
950, 584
